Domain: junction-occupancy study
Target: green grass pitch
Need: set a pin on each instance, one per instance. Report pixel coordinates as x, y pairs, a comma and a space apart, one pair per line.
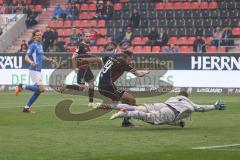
42, 136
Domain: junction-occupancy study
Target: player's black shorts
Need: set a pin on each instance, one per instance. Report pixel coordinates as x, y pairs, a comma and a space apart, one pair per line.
109, 90
84, 75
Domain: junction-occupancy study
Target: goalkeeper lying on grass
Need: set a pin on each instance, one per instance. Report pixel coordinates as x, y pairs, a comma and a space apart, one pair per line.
174, 111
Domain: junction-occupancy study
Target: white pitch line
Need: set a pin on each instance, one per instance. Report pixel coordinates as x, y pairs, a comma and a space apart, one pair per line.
214, 147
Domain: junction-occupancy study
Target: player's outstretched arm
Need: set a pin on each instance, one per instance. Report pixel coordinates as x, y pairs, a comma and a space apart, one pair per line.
91, 59
141, 73
206, 108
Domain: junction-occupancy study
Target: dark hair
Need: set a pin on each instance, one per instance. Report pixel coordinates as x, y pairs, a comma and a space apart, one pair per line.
34, 33
183, 93
127, 52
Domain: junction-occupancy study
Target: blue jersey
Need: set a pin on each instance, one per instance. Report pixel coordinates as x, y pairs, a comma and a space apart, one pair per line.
35, 53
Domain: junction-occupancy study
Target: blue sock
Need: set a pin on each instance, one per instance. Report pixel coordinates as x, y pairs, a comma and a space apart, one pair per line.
33, 98
32, 88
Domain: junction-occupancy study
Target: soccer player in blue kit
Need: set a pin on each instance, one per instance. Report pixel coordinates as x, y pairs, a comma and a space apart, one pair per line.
34, 58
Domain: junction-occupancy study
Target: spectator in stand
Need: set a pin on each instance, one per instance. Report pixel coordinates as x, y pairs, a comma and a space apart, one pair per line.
31, 18
74, 38
67, 11
128, 34
217, 35
58, 12
74, 12
47, 39
94, 36
163, 38
153, 36
227, 37
54, 36
60, 45
108, 10
135, 19
23, 47
100, 12
9, 2
80, 34
172, 49
119, 36
199, 45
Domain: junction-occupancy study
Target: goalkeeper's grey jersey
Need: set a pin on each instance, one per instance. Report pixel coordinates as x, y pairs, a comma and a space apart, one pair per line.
182, 103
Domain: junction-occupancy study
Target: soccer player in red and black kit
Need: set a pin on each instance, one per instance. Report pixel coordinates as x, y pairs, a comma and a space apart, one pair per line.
113, 68
82, 69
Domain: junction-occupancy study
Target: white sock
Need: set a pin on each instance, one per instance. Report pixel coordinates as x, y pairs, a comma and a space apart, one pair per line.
27, 106
24, 86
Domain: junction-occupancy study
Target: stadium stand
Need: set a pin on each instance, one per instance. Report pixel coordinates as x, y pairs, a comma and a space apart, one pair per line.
182, 20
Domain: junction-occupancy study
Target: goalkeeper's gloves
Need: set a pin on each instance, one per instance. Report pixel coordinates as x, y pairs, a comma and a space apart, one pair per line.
219, 106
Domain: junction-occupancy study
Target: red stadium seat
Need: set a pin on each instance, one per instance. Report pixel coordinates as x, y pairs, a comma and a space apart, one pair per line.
102, 31
186, 5
184, 49
91, 14
94, 49
29, 1
1, 2
101, 23
177, 6
76, 23
123, 1
221, 50
204, 5
191, 40
60, 32
84, 23
182, 40
67, 24
102, 41
169, 6
236, 31
194, 5
84, 7
172, 40
208, 40
137, 41
213, 5
117, 6
190, 49
156, 49
92, 7
159, 6
138, 49
67, 32
66, 40
164, 48
52, 24
211, 49
92, 23
144, 40
59, 24
147, 49
84, 15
